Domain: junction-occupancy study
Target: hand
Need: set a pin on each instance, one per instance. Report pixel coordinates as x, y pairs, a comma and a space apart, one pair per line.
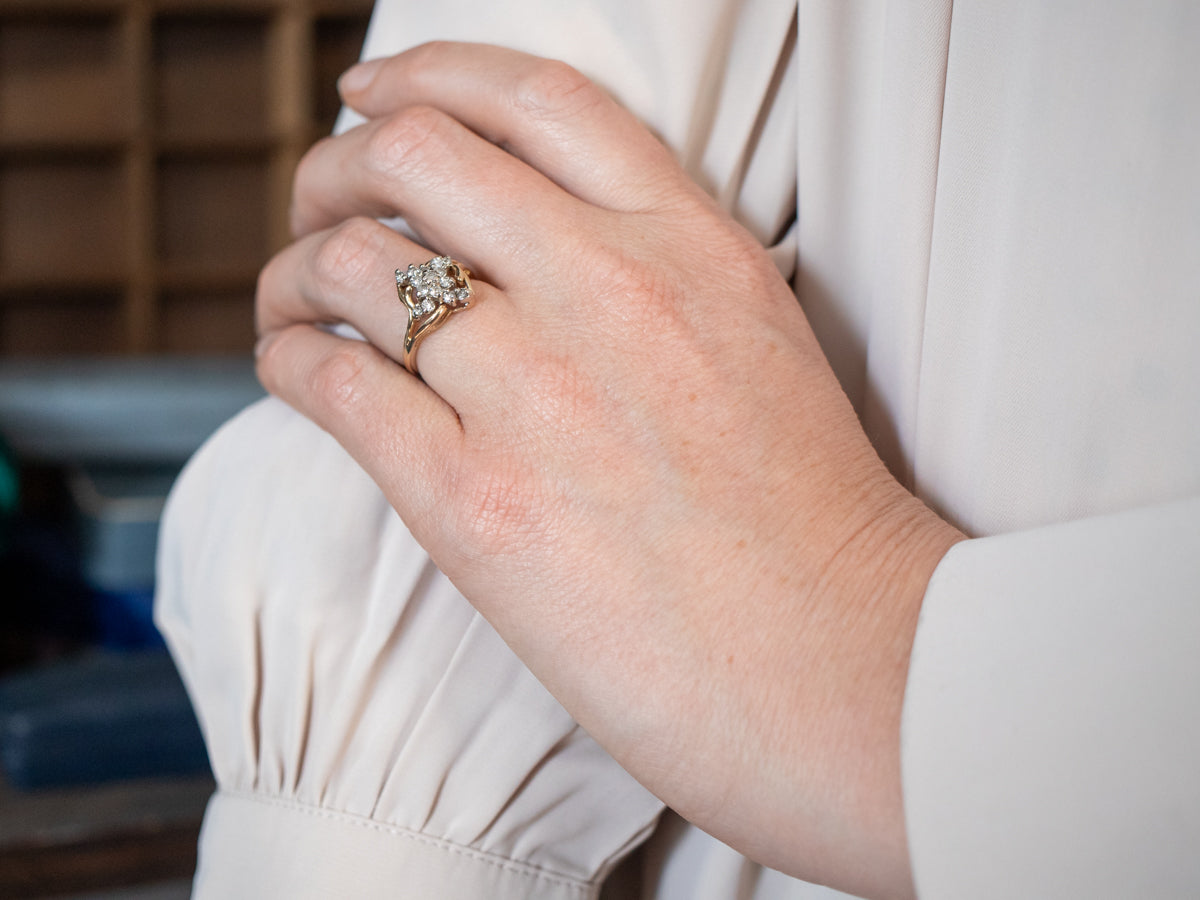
630, 453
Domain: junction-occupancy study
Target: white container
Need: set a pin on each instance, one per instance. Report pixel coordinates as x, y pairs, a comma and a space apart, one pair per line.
119, 511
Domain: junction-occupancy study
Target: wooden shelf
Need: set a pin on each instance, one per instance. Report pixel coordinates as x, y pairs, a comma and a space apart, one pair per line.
146, 154
47, 286
210, 76
193, 277
63, 78
62, 146
62, 215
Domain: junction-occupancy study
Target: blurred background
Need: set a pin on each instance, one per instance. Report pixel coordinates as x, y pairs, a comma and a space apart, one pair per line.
146, 155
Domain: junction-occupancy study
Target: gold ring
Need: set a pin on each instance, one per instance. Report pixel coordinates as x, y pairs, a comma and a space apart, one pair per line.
431, 293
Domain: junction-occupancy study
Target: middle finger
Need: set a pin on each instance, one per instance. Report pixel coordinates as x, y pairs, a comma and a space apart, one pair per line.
459, 192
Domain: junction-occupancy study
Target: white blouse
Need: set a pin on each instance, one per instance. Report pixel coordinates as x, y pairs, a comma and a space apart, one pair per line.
992, 213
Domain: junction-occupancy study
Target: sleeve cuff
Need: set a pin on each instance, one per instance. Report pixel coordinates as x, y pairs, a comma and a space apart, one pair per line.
1051, 726
254, 846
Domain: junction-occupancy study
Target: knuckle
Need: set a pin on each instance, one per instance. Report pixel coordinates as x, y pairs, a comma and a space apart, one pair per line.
551, 88
264, 292
310, 161
304, 180
267, 365
428, 54
349, 253
336, 379
406, 140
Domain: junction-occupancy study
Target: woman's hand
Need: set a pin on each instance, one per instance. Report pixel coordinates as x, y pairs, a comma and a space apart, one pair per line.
630, 453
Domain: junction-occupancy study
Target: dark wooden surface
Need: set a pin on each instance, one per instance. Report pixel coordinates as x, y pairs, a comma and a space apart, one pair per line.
79, 841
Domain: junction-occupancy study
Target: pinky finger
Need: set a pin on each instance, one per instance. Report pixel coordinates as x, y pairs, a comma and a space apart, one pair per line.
402, 433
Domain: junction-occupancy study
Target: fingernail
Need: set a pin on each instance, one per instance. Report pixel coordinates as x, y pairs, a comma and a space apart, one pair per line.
359, 77
264, 342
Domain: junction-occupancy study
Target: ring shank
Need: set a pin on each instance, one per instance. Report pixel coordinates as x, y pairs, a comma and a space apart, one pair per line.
431, 294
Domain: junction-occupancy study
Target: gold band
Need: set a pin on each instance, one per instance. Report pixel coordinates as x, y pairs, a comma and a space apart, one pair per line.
431, 293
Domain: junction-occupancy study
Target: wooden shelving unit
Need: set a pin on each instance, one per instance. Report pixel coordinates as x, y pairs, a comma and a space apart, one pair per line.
146, 155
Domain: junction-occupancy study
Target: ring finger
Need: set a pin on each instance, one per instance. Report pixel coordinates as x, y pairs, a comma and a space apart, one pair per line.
345, 274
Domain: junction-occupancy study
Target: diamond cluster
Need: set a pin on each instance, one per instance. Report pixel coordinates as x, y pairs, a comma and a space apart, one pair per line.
439, 282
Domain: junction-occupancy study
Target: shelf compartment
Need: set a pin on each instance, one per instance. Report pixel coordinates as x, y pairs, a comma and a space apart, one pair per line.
207, 321
208, 277
62, 219
51, 323
213, 213
63, 79
337, 42
210, 78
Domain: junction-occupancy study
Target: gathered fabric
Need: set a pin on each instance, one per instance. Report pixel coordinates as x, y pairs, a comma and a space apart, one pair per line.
340, 679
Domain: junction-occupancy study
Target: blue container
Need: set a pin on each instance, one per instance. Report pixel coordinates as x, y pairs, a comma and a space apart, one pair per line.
103, 717
118, 508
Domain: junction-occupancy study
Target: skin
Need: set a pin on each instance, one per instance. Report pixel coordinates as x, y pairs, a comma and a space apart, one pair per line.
630, 454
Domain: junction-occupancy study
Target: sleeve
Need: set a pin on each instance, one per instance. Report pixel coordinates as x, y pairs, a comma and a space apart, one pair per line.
1051, 734
371, 735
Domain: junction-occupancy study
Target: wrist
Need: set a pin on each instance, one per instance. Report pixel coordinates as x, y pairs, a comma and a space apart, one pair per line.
879, 578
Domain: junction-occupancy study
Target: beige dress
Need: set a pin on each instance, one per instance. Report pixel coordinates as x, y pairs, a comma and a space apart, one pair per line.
998, 243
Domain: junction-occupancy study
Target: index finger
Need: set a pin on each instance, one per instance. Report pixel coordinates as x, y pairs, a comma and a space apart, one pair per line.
540, 110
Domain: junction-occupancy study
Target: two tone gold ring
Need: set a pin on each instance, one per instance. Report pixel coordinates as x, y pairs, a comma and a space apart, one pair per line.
431, 293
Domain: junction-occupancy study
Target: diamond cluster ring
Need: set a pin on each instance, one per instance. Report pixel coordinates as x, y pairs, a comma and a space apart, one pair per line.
431, 293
